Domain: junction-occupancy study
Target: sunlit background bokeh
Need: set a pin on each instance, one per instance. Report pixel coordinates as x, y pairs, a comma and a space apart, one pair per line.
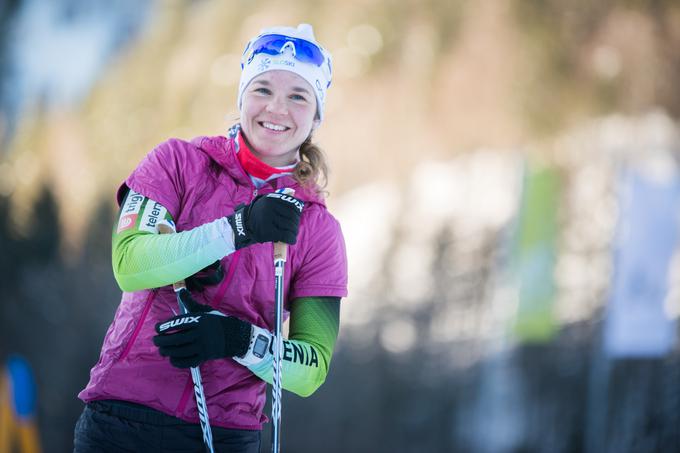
506, 173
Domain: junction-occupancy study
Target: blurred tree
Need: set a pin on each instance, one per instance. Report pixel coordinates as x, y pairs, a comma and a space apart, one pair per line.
587, 58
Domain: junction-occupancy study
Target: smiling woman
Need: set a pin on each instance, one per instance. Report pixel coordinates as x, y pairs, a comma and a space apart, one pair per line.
222, 196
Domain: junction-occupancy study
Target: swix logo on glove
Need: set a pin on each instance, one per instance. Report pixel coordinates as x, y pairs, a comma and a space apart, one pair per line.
238, 220
294, 201
178, 322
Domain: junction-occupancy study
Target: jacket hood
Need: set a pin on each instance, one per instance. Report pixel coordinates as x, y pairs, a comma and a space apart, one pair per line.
222, 151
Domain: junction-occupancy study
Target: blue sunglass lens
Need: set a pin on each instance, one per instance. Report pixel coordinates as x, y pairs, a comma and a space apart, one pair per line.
305, 51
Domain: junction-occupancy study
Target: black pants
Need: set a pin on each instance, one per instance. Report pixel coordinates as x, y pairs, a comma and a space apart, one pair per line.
119, 426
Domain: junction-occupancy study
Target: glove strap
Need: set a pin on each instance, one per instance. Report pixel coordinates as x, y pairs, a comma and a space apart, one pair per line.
260, 339
237, 221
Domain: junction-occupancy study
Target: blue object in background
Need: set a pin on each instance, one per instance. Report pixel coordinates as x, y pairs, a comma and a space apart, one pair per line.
637, 324
23, 387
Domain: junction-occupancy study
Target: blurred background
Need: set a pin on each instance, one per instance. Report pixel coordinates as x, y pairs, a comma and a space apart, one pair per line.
506, 173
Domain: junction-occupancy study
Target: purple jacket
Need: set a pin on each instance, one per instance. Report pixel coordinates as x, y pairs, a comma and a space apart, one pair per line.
198, 182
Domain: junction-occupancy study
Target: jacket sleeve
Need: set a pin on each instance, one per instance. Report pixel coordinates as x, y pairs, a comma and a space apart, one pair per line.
160, 176
320, 267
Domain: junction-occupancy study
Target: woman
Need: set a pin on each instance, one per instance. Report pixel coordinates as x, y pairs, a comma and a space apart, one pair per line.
218, 193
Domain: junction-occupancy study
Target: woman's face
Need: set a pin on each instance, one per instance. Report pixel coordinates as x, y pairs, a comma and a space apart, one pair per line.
277, 115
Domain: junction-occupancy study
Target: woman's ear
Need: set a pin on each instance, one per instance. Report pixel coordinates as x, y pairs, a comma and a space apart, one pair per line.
316, 124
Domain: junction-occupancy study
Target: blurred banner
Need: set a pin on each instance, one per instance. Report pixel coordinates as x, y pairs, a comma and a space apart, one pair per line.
535, 254
18, 429
637, 324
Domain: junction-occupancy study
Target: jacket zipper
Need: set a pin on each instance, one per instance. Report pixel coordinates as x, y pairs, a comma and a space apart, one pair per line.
185, 396
140, 323
218, 297
227, 279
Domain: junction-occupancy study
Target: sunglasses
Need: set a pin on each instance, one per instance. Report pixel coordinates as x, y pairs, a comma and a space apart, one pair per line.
303, 50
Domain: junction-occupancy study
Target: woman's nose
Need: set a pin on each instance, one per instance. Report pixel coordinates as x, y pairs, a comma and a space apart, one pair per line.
277, 105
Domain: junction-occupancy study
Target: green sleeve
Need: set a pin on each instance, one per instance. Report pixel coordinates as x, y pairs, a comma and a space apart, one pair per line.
142, 258
314, 324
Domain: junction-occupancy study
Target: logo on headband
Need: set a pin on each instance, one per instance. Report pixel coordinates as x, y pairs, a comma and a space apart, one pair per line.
264, 64
284, 63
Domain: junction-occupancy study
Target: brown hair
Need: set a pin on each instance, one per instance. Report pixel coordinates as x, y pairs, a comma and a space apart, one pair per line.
312, 170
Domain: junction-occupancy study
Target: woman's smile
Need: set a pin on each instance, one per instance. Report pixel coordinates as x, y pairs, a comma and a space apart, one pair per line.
273, 127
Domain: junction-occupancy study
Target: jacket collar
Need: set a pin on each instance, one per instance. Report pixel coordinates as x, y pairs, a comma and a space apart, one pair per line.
222, 151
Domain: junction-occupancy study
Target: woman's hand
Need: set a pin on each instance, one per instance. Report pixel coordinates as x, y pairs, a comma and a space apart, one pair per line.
274, 217
191, 339
202, 334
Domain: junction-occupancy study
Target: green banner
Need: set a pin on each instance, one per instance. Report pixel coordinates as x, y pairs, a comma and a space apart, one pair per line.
534, 256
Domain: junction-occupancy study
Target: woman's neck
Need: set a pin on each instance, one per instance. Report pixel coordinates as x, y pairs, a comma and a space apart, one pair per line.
255, 167
273, 160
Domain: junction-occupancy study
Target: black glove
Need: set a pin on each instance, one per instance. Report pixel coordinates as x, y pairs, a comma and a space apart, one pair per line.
274, 217
201, 335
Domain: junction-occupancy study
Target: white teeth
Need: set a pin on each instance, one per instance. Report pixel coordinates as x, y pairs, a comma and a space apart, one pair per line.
274, 127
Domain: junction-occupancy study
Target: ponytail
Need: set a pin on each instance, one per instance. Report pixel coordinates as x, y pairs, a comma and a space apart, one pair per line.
312, 170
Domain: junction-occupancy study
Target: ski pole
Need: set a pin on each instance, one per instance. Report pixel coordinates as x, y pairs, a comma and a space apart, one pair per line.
280, 256
280, 252
201, 404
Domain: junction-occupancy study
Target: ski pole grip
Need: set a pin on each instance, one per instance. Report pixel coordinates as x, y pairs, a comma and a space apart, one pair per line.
281, 248
280, 251
164, 228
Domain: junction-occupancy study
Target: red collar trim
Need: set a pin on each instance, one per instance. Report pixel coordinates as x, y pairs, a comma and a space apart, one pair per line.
254, 166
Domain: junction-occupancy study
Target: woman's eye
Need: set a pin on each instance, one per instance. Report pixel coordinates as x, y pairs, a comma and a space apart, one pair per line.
297, 97
263, 90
